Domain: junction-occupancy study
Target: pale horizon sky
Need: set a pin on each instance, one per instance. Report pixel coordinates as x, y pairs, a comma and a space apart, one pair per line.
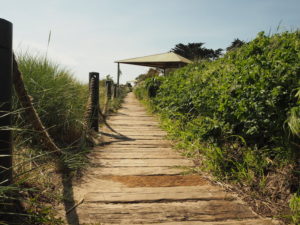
90, 35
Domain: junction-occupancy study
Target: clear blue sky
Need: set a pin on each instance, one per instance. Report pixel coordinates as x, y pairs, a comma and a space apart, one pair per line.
90, 35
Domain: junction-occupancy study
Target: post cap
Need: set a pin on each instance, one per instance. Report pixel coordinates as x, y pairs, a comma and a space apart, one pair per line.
92, 73
6, 34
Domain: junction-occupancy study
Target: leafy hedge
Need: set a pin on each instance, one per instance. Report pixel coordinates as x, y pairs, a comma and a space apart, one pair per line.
237, 109
249, 92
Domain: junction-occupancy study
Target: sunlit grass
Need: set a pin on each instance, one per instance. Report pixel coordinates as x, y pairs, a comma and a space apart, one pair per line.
58, 98
60, 101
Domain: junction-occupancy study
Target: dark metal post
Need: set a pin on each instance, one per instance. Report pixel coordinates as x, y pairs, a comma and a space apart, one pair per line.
108, 84
118, 81
115, 91
94, 92
6, 62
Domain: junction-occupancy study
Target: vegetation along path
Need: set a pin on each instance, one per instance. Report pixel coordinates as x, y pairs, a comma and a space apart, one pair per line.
135, 178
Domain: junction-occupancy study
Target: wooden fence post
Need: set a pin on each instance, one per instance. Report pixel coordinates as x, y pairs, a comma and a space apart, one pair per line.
6, 66
118, 80
108, 85
115, 91
94, 92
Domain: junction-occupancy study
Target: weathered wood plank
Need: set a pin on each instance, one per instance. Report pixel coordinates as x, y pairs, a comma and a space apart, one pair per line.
125, 149
137, 155
137, 171
133, 180
156, 194
141, 213
143, 163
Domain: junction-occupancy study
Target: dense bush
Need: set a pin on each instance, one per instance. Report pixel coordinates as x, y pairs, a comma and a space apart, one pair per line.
249, 92
294, 117
237, 110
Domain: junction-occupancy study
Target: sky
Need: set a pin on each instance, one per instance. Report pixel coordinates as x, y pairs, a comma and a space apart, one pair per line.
90, 35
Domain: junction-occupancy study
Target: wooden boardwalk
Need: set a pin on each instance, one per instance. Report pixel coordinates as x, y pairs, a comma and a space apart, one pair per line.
135, 178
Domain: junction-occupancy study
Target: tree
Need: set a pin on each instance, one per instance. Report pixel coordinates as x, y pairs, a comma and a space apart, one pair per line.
196, 51
235, 44
151, 73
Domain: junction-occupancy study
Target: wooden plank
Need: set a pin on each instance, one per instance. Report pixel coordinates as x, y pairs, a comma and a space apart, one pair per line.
227, 222
137, 171
142, 162
133, 120
156, 194
133, 149
141, 213
145, 132
127, 182
137, 155
136, 137
142, 142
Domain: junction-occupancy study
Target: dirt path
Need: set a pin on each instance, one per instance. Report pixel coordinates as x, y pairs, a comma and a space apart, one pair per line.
135, 179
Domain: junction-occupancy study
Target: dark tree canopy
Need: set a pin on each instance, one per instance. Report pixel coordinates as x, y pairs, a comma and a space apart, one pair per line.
235, 44
196, 51
151, 73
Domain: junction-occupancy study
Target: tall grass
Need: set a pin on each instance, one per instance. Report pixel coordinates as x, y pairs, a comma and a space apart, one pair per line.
114, 103
60, 101
58, 98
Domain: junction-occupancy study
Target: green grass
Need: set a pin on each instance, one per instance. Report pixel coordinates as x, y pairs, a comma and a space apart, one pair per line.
295, 208
58, 98
114, 103
60, 101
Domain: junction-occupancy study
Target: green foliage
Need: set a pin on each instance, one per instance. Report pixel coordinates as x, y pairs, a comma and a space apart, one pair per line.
151, 73
248, 92
294, 117
295, 208
149, 87
235, 44
115, 103
196, 51
32, 211
238, 111
60, 101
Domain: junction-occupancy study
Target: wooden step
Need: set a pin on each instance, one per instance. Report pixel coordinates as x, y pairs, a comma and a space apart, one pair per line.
213, 211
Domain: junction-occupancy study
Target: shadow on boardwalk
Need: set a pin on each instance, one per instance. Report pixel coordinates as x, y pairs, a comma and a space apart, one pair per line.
68, 194
68, 198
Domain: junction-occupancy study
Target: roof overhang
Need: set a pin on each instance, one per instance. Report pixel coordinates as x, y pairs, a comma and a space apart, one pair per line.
163, 61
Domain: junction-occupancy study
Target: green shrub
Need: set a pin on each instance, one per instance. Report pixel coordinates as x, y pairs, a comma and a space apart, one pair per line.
249, 92
294, 117
238, 111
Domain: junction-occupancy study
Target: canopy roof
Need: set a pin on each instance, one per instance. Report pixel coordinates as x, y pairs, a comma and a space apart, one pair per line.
163, 61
